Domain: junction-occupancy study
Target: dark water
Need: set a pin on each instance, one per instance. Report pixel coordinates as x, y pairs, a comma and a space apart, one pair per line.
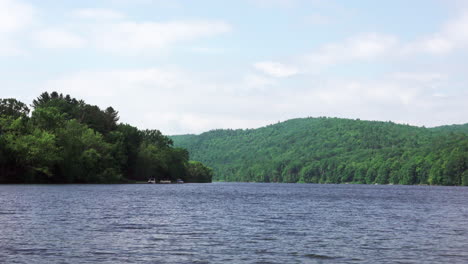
233, 223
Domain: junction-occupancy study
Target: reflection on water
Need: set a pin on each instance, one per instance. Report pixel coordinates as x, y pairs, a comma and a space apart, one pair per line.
233, 223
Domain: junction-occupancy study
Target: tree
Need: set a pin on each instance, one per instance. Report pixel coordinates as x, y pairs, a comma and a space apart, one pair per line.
197, 172
344, 150
48, 118
85, 154
69, 141
112, 117
436, 173
382, 173
457, 163
13, 108
132, 140
464, 177
157, 138
35, 154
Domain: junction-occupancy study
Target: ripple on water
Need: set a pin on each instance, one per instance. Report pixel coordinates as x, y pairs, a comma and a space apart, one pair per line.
232, 223
318, 256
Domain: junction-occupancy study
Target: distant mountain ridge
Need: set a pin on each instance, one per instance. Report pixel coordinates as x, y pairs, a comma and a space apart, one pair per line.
335, 150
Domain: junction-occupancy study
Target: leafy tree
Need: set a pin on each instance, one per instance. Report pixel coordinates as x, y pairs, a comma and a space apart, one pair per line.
13, 108
197, 172
48, 118
34, 152
69, 141
334, 150
132, 142
464, 177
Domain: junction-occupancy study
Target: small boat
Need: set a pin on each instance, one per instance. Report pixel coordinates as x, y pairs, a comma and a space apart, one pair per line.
180, 181
164, 181
152, 180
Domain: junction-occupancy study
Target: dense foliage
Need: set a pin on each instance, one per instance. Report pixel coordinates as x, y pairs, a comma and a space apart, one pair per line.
65, 140
332, 150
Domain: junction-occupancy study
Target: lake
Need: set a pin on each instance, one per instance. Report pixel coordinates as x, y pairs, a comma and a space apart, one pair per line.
233, 223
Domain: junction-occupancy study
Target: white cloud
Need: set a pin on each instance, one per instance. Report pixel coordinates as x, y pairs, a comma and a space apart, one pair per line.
133, 38
372, 47
384, 47
361, 95
104, 83
420, 77
130, 38
58, 39
115, 35
274, 3
98, 14
276, 69
179, 101
9, 47
158, 3
357, 48
172, 100
435, 44
14, 15
389, 98
453, 35
256, 81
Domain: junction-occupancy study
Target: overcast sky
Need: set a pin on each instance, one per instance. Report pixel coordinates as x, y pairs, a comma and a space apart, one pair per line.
186, 66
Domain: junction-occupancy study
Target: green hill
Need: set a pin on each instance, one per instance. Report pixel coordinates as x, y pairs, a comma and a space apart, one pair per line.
333, 150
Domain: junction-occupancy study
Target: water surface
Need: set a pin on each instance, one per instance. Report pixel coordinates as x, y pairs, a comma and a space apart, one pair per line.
233, 223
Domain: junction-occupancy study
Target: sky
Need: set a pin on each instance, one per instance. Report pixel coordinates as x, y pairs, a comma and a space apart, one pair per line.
185, 66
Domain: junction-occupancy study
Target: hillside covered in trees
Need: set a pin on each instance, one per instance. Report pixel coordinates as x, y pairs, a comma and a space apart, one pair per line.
333, 150
65, 140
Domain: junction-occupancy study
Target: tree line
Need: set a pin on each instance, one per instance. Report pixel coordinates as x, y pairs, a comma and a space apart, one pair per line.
334, 150
65, 140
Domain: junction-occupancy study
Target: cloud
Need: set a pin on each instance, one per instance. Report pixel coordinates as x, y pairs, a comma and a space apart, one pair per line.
435, 44
119, 81
362, 47
453, 35
9, 47
112, 33
178, 101
420, 77
98, 14
158, 3
388, 98
275, 3
15, 15
361, 95
123, 37
133, 38
276, 69
256, 81
379, 47
58, 39
172, 100
372, 47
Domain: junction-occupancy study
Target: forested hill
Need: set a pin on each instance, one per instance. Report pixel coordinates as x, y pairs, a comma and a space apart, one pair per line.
333, 150
65, 140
